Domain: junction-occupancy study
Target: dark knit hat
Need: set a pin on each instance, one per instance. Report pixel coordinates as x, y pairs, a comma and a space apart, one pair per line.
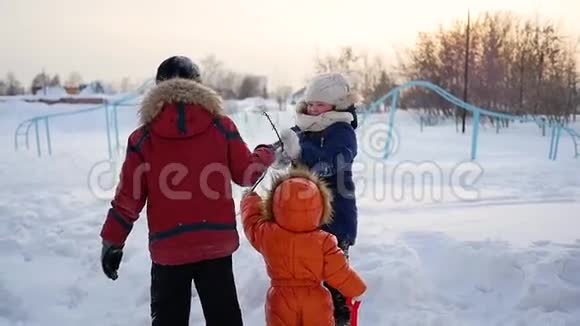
178, 67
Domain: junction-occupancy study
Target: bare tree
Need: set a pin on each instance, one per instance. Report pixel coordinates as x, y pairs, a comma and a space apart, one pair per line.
383, 86
345, 62
217, 76
212, 71
423, 64
251, 86
231, 82
515, 65
13, 85
55, 81
365, 73
39, 82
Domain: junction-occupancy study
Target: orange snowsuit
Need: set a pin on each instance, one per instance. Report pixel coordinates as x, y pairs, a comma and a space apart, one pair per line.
299, 256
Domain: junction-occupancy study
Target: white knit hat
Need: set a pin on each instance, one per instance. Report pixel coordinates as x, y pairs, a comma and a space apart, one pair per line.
331, 88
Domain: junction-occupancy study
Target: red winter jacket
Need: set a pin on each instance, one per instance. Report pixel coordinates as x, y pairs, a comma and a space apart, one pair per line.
181, 163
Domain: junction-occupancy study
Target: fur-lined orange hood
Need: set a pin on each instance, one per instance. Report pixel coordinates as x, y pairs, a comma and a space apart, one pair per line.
288, 219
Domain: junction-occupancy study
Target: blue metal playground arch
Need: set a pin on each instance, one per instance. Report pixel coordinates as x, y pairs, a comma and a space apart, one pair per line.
477, 112
109, 108
112, 128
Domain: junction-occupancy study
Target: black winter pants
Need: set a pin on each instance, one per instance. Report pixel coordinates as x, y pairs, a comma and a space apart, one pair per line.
214, 282
341, 309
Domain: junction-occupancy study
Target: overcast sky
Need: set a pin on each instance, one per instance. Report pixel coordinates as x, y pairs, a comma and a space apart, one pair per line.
110, 39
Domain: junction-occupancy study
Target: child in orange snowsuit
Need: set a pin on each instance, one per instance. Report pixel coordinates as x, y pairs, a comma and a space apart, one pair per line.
299, 256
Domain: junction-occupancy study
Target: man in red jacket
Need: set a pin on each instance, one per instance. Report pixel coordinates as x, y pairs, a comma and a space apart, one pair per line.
181, 162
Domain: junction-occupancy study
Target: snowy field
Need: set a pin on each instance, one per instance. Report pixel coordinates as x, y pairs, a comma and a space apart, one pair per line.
495, 242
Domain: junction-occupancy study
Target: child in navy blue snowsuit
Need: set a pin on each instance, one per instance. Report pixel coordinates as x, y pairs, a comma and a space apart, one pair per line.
325, 123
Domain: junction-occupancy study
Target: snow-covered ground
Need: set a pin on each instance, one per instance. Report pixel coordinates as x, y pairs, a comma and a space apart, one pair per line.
496, 242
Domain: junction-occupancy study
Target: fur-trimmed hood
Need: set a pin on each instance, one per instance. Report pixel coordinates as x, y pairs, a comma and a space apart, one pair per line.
179, 91
302, 173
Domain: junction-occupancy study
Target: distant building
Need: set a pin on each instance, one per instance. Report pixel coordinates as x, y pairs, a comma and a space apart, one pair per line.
72, 90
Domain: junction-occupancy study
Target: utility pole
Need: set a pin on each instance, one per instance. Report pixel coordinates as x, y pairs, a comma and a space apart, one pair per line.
466, 77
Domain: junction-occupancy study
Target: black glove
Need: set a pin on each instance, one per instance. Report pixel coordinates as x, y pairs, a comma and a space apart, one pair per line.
111, 259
